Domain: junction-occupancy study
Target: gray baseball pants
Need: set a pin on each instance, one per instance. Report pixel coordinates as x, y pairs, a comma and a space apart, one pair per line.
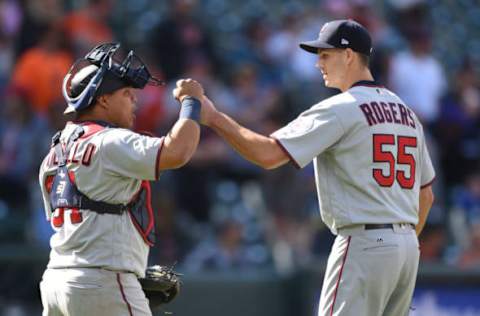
90, 291
371, 272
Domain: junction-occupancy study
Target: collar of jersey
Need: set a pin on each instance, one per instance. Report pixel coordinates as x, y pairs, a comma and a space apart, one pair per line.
367, 83
96, 122
93, 126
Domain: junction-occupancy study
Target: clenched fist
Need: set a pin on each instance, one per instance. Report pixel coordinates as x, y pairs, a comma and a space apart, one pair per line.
188, 87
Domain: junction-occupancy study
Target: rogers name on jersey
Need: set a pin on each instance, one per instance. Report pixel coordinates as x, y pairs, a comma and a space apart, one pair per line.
381, 112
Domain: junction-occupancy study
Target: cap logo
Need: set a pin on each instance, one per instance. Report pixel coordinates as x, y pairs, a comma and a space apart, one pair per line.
344, 42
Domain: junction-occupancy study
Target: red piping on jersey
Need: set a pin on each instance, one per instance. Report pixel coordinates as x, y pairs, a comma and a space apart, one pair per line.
134, 196
295, 163
157, 168
368, 85
340, 275
123, 295
146, 133
428, 183
151, 216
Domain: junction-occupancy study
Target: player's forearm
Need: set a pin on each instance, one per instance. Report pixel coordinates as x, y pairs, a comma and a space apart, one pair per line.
426, 201
180, 144
258, 149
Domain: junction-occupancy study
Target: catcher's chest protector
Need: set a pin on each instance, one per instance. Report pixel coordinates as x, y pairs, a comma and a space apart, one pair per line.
64, 194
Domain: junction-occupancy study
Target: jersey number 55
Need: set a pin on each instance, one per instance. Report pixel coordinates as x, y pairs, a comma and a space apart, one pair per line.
402, 158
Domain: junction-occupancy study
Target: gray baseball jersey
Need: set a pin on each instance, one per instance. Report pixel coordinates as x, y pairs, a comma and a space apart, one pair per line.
109, 165
369, 155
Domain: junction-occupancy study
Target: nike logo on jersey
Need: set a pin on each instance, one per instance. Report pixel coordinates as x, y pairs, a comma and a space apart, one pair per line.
139, 147
381, 113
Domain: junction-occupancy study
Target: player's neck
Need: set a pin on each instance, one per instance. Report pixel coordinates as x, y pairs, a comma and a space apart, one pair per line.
91, 116
356, 76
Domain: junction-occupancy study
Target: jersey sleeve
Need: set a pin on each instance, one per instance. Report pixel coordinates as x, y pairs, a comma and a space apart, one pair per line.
427, 172
310, 134
130, 154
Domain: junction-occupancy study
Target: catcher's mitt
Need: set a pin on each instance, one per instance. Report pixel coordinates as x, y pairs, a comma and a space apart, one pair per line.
161, 285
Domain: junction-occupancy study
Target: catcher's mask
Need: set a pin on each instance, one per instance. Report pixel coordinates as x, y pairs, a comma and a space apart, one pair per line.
101, 71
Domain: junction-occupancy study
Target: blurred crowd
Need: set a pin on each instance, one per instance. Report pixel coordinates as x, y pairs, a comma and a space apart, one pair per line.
219, 211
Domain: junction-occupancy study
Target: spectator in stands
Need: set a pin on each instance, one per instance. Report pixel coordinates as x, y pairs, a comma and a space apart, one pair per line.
301, 65
212, 155
255, 51
254, 99
151, 111
432, 243
417, 76
408, 13
40, 70
465, 210
201, 68
89, 27
22, 144
470, 258
224, 252
467, 198
292, 241
6, 61
278, 45
458, 126
178, 37
10, 22
37, 18
10, 17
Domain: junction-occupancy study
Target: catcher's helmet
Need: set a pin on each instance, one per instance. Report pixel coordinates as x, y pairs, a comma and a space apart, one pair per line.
102, 71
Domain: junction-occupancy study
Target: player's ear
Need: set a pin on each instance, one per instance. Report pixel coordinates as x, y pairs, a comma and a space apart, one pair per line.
349, 55
103, 101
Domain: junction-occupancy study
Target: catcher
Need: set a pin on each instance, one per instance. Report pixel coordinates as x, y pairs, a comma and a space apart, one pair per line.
96, 192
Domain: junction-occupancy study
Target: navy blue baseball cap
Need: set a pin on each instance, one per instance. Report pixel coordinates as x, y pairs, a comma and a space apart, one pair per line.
341, 34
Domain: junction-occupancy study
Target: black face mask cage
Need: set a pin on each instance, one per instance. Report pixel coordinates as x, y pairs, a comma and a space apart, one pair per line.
131, 69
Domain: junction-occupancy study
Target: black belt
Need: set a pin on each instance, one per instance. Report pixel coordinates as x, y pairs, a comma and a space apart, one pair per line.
382, 226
